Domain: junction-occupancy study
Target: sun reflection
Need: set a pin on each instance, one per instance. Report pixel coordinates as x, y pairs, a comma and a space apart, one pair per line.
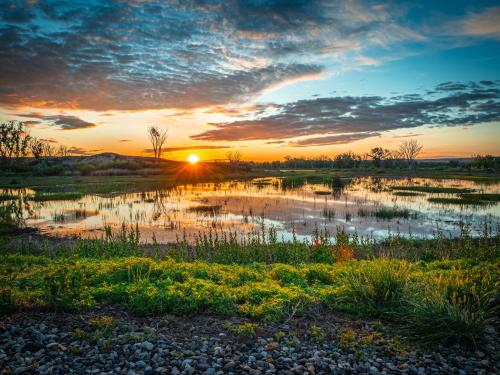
193, 158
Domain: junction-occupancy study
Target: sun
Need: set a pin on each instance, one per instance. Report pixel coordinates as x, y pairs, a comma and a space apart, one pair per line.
193, 158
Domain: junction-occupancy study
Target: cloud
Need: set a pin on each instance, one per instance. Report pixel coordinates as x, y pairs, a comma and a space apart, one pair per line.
132, 55
332, 139
63, 122
482, 23
337, 120
187, 148
81, 151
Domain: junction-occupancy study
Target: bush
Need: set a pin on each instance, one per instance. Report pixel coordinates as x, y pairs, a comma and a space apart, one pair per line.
454, 308
375, 287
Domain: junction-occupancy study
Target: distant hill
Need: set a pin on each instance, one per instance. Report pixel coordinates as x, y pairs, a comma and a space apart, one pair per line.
106, 157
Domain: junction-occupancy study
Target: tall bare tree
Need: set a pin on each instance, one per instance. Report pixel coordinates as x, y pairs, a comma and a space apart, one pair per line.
157, 137
409, 150
62, 151
234, 156
48, 149
37, 147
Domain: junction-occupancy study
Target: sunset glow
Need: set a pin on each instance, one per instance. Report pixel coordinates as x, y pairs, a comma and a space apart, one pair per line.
193, 158
355, 75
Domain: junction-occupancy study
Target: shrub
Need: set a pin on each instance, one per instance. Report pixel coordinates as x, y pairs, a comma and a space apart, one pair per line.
375, 287
453, 308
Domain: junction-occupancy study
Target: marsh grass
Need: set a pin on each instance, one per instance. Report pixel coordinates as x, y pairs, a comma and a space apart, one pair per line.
323, 192
387, 213
42, 197
406, 194
211, 210
7, 197
490, 197
433, 189
460, 201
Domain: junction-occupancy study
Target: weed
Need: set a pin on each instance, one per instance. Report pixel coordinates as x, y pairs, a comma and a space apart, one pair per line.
246, 329
316, 333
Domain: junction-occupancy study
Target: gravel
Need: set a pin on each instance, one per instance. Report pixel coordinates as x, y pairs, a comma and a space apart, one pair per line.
63, 343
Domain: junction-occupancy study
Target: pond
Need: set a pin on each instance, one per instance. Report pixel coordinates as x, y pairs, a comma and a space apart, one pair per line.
371, 207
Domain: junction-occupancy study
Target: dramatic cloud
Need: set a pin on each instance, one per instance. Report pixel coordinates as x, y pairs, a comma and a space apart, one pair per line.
78, 151
332, 139
345, 119
187, 148
131, 55
483, 23
63, 122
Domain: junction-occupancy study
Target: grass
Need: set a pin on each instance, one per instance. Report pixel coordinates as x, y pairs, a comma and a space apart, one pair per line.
323, 192
459, 201
387, 213
433, 189
206, 210
438, 297
406, 193
483, 197
6, 197
61, 196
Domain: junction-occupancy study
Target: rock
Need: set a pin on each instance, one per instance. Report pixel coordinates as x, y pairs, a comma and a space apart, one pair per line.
147, 346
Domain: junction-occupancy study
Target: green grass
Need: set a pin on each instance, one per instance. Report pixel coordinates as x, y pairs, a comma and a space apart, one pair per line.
459, 201
433, 189
387, 213
442, 295
6, 197
323, 192
61, 196
484, 197
406, 193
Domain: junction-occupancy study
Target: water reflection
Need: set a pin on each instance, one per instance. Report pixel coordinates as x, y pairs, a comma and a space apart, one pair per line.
369, 206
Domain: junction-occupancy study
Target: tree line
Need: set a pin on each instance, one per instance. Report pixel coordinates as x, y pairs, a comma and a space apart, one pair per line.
17, 143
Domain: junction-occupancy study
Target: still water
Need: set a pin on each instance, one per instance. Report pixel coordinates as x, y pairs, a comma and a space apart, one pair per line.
247, 207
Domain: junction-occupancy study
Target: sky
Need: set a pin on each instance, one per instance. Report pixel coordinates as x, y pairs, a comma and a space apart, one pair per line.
268, 78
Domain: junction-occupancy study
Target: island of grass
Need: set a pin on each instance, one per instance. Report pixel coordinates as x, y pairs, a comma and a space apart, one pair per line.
433, 189
406, 193
59, 196
479, 199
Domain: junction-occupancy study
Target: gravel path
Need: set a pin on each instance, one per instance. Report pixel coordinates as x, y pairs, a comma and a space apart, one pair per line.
111, 342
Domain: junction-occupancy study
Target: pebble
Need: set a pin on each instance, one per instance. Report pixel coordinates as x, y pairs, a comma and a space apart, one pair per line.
51, 347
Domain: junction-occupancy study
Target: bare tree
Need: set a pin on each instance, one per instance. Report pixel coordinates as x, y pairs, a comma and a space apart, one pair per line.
409, 150
63, 151
234, 156
48, 150
157, 137
37, 147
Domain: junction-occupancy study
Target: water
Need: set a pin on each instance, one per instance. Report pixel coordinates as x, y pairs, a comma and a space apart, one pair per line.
245, 207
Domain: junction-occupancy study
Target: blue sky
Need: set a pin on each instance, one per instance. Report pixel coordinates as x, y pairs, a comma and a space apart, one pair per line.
273, 76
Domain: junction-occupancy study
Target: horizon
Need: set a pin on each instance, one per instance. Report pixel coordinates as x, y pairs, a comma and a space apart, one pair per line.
264, 78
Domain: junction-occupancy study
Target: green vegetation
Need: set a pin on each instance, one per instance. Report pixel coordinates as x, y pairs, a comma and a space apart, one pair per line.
459, 200
433, 189
66, 195
7, 197
481, 197
388, 213
406, 193
323, 192
442, 300
206, 210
